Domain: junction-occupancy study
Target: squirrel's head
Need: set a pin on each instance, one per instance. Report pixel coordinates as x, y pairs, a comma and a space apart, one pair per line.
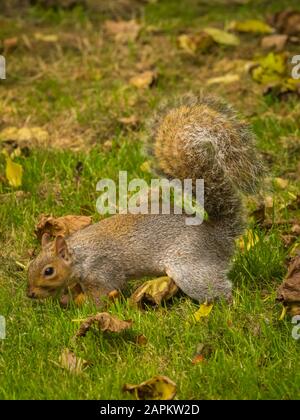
50, 271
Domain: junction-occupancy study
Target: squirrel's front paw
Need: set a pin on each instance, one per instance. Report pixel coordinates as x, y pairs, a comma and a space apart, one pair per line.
73, 294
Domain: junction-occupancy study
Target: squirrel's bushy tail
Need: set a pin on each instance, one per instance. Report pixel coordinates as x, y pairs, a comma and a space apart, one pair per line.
201, 137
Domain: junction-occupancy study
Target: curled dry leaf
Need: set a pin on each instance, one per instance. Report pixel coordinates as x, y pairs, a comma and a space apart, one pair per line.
203, 312
156, 388
69, 361
104, 322
289, 291
64, 225
192, 43
143, 80
123, 31
154, 292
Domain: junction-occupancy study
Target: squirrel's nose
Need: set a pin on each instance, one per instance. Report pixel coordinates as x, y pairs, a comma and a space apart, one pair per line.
279, 297
31, 294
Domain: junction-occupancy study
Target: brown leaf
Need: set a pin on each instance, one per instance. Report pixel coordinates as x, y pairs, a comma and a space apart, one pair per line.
154, 292
10, 43
199, 358
123, 31
289, 291
105, 322
192, 43
277, 42
131, 121
69, 361
64, 225
141, 340
286, 22
156, 388
296, 229
143, 80
288, 240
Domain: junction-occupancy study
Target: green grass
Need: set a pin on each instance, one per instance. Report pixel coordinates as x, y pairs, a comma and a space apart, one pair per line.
253, 354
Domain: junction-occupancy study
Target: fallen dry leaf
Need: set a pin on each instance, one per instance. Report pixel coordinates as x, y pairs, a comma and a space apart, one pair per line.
141, 340
64, 225
192, 43
275, 41
146, 166
104, 322
154, 292
51, 38
203, 312
69, 361
225, 80
131, 121
289, 291
286, 22
143, 80
281, 183
272, 72
296, 229
252, 26
156, 388
10, 43
199, 358
222, 37
13, 172
123, 31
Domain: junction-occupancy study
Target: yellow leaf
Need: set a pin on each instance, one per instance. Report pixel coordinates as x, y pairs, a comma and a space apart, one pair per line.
222, 37
283, 313
145, 166
192, 43
46, 38
225, 80
203, 311
251, 25
156, 388
154, 291
270, 69
143, 80
14, 173
281, 183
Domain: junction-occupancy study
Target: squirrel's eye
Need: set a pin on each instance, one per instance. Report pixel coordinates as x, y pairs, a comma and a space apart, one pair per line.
48, 271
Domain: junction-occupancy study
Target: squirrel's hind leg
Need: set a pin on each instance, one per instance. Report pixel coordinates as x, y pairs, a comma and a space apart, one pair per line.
202, 281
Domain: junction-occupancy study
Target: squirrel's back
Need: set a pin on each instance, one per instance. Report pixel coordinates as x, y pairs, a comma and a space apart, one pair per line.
201, 137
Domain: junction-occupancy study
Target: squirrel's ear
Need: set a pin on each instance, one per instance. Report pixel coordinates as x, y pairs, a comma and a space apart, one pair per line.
61, 247
46, 238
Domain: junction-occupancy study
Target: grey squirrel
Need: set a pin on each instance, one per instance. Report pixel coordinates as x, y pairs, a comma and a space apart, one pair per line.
199, 137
